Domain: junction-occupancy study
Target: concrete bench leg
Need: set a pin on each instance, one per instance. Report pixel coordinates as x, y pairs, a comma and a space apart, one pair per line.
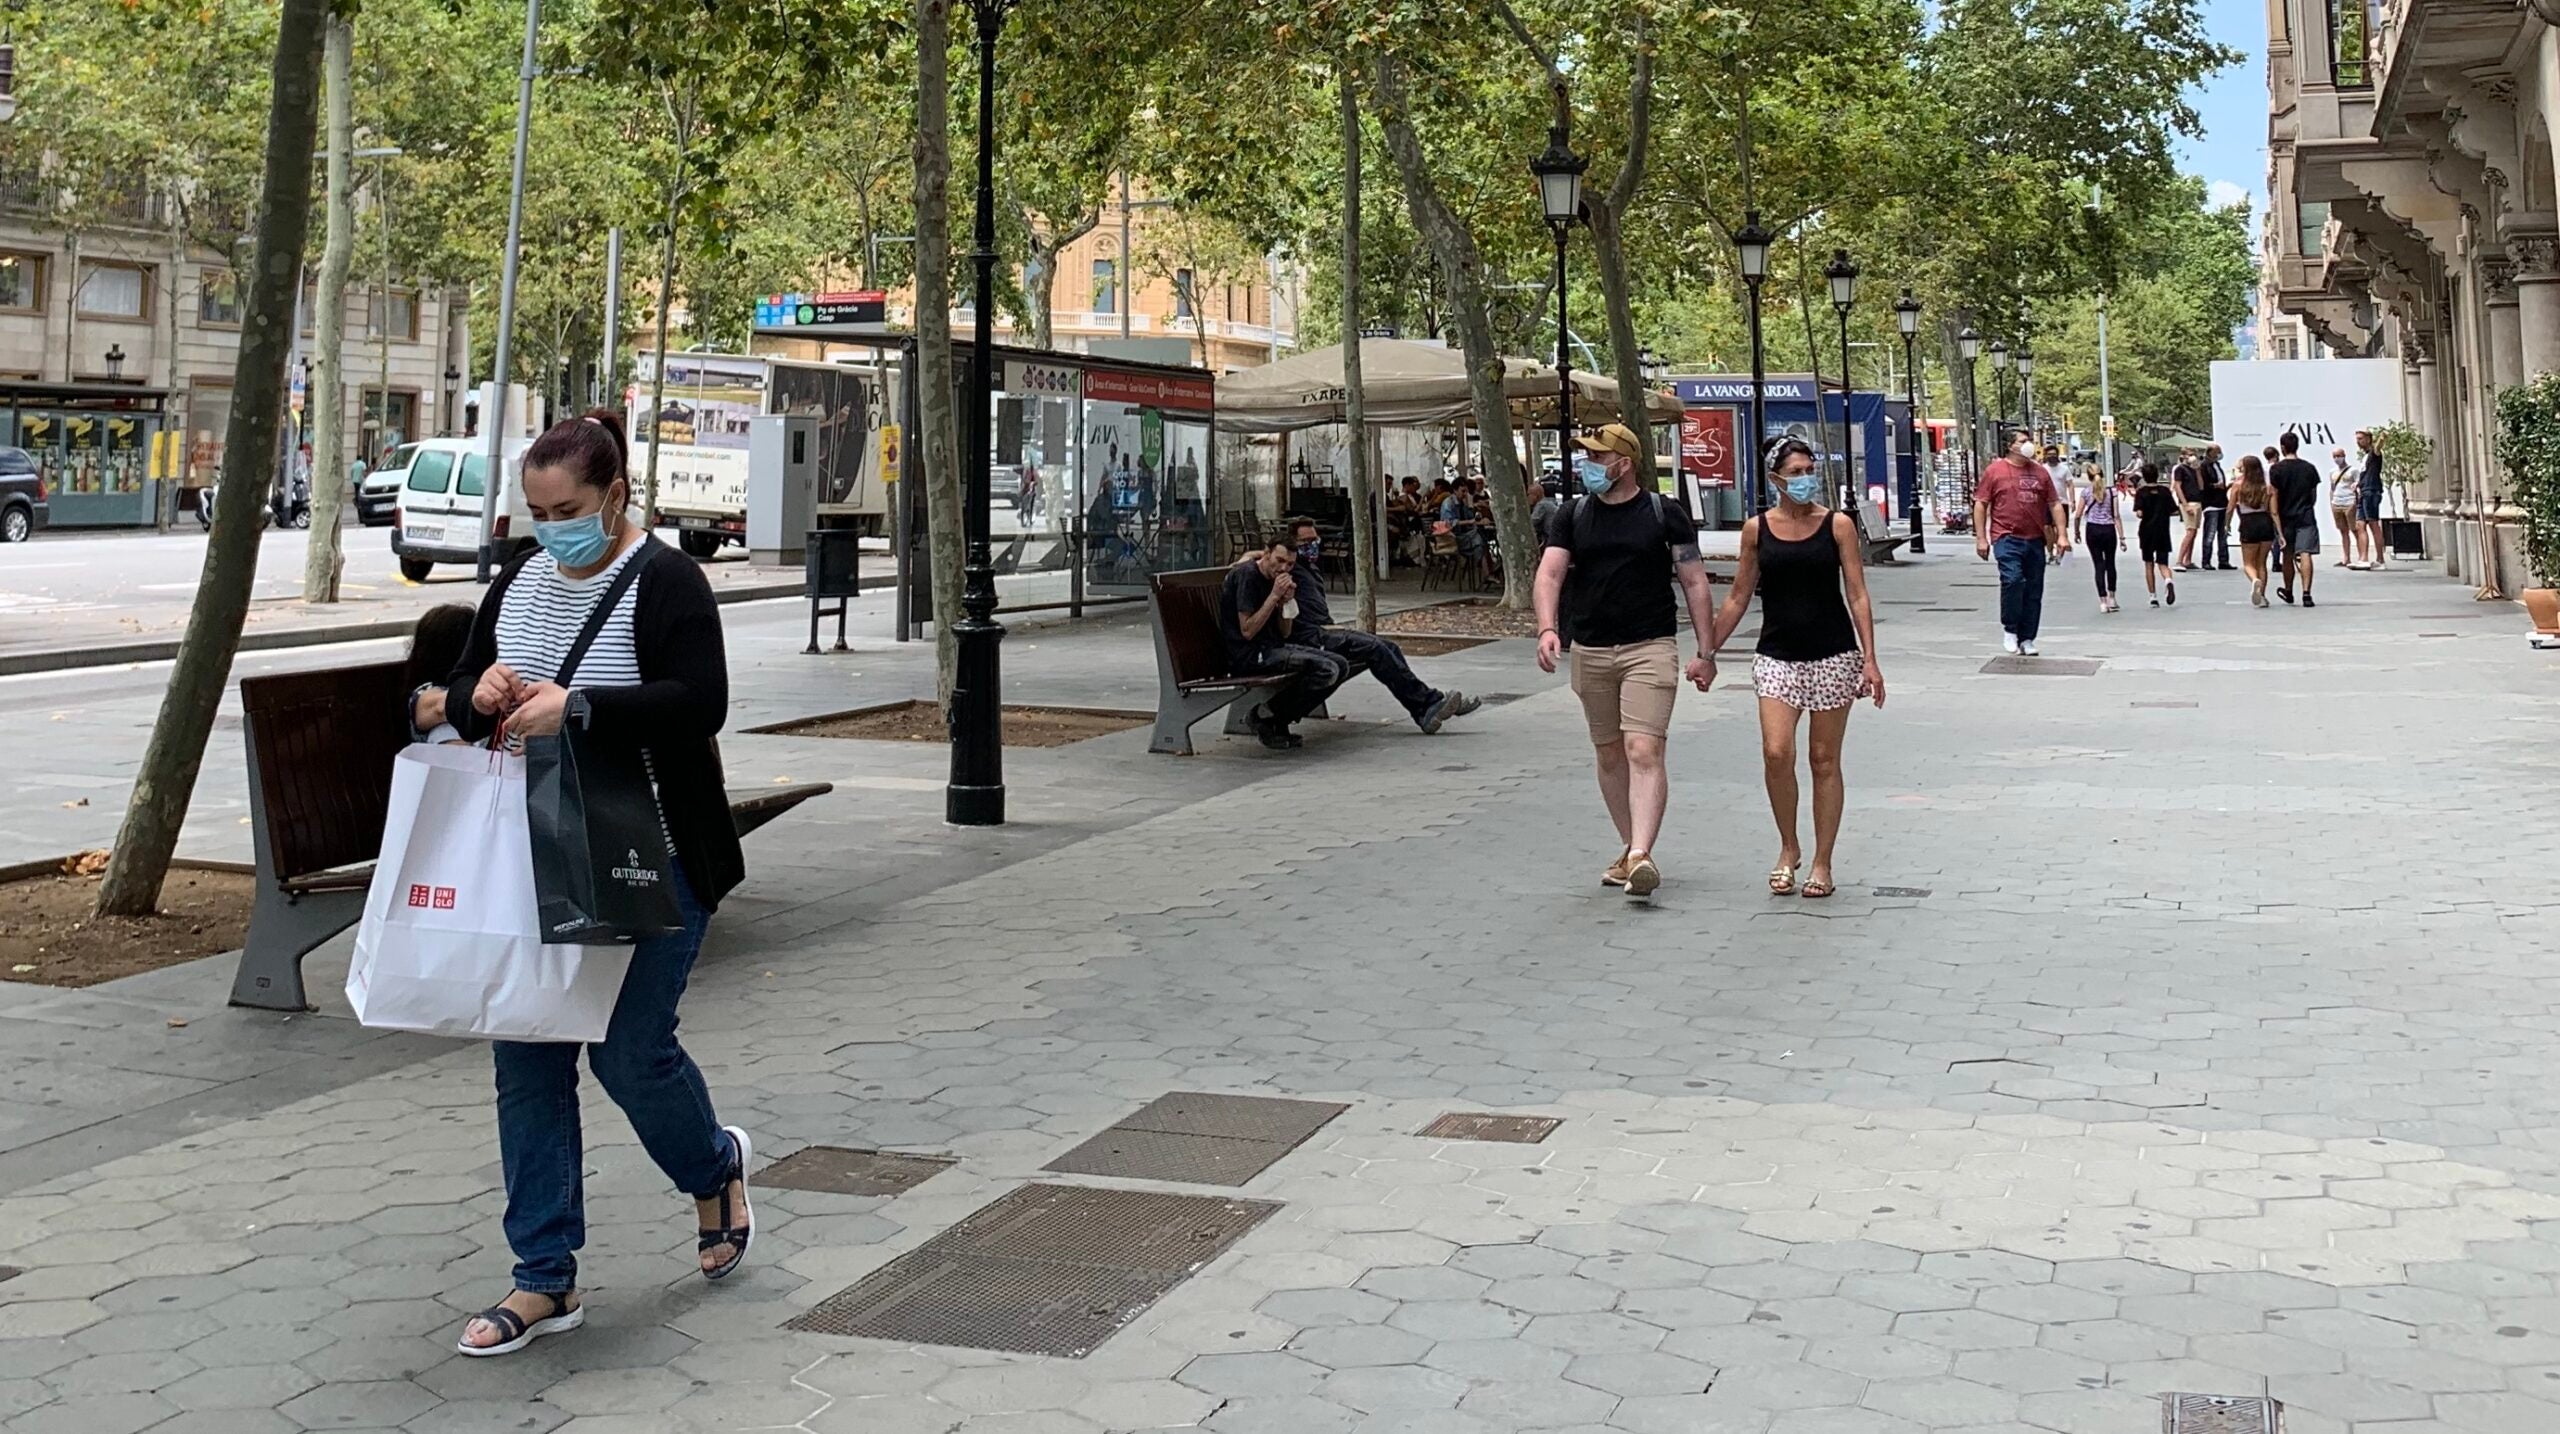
1177, 711
283, 930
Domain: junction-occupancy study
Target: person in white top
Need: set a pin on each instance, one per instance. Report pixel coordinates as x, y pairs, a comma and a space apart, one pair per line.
2342, 505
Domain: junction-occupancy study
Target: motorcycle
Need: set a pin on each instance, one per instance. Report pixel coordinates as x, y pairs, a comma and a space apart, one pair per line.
275, 511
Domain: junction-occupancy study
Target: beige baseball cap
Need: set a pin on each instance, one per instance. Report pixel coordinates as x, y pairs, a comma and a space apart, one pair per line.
1613, 438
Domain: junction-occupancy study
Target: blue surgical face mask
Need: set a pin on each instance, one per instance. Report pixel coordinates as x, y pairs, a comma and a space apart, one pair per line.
1308, 550
574, 542
1595, 476
1804, 487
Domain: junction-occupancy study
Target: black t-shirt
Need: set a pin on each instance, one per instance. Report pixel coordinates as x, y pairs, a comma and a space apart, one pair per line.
2370, 481
2154, 504
1619, 588
1243, 592
2190, 481
2297, 486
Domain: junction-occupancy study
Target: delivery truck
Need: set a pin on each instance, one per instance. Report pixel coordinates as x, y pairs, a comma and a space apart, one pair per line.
700, 431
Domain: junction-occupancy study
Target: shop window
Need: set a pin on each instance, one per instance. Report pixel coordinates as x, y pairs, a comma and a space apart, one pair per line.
22, 282
114, 291
1182, 293
403, 310
218, 299
1106, 287
2312, 216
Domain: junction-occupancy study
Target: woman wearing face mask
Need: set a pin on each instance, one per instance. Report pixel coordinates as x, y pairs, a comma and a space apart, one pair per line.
1817, 652
655, 675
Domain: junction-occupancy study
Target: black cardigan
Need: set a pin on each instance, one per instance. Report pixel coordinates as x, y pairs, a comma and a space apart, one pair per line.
674, 714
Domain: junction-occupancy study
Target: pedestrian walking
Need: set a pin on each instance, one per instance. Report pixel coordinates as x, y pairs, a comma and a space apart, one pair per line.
2215, 500
2188, 480
2097, 516
653, 675
2342, 506
2019, 517
2254, 503
2369, 498
1613, 557
1816, 656
2297, 486
2154, 503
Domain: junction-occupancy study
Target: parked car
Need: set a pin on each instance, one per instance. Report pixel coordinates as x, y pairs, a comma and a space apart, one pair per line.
24, 509
378, 492
443, 487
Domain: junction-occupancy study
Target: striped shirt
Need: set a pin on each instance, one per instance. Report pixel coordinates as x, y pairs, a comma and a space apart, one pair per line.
544, 612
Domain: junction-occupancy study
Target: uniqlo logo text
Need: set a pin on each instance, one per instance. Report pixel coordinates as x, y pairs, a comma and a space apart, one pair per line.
418, 895
444, 898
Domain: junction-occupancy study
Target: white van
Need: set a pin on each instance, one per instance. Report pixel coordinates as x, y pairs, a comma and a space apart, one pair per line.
442, 488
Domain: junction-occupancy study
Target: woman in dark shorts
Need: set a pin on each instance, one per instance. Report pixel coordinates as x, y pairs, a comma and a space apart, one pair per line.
2253, 502
1817, 652
2154, 505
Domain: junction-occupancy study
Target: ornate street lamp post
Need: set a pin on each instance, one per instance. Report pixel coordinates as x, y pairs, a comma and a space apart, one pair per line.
975, 794
1969, 348
2027, 392
1906, 316
2000, 395
1844, 294
1751, 246
1559, 172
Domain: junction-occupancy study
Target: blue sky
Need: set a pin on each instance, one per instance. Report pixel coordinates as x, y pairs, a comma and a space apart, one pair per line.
2232, 155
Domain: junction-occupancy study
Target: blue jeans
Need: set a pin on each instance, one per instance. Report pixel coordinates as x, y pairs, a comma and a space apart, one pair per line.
2021, 585
640, 1065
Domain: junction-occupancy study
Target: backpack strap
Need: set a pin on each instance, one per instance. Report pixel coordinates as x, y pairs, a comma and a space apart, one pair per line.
641, 557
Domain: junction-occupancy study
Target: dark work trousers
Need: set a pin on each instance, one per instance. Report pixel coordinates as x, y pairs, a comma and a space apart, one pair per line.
2102, 557
2021, 585
2216, 543
1315, 671
1385, 662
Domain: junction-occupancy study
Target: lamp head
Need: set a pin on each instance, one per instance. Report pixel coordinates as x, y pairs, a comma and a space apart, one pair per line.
1906, 314
1751, 242
1999, 356
2026, 363
1969, 344
1559, 172
1844, 280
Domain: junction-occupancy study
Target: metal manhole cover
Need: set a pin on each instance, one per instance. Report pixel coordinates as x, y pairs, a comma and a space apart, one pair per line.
840, 1171
1156, 1155
1234, 1117
1496, 699
1048, 1269
981, 1302
2042, 667
1510, 1129
2220, 1414
1898, 891
2164, 706
1125, 1229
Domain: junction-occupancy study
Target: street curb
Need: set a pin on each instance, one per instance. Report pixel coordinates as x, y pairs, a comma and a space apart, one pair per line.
64, 659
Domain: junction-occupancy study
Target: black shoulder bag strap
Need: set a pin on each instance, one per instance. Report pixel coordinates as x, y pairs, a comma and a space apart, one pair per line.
640, 558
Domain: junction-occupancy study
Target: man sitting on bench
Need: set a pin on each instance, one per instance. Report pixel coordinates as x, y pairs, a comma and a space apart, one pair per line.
1430, 706
1256, 606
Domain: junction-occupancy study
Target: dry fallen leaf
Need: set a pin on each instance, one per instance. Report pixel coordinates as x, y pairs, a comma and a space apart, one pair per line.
21, 968
177, 1021
84, 801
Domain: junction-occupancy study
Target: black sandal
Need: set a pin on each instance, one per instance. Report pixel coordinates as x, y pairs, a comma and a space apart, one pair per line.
737, 1230
565, 1317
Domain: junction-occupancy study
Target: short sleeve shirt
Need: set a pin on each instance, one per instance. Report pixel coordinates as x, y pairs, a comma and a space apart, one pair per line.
2154, 505
1244, 591
1624, 556
2021, 498
2297, 486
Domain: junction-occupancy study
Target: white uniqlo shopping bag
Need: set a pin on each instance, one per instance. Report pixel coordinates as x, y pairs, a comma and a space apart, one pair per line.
450, 943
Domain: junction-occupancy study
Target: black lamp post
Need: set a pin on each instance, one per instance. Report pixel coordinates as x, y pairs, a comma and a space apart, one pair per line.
2027, 392
1751, 244
1906, 316
453, 398
1969, 348
1844, 293
115, 363
1559, 172
2000, 394
975, 795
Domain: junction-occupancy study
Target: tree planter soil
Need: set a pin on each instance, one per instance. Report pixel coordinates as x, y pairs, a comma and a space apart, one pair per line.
922, 722
49, 935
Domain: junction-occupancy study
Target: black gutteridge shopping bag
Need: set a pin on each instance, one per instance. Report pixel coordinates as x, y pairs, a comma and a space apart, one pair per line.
603, 872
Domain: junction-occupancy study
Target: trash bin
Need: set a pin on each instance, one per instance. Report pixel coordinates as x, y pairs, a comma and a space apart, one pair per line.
833, 564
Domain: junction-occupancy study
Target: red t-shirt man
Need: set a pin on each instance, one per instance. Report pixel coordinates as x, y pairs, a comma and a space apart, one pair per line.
2019, 497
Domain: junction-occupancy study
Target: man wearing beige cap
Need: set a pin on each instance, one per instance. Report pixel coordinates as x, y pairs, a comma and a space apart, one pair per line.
1613, 556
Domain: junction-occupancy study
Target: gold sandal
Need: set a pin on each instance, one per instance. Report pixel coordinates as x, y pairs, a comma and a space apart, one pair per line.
1782, 879
1817, 889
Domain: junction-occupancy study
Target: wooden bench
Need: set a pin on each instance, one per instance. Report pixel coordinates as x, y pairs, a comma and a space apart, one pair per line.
1193, 678
321, 748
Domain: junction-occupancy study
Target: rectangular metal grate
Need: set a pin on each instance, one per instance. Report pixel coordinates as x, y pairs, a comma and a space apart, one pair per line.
1509, 1129
1897, 891
836, 1170
1048, 1269
2220, 1414
1199, 1139
2042, 667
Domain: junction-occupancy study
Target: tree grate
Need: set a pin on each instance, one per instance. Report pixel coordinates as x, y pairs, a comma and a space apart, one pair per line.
2220, 1414
2042, 667
1048, 1269
1506, 1129
1199, 1139
836, 1170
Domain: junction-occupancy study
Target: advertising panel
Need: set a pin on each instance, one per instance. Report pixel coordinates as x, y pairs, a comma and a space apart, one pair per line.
1707, 447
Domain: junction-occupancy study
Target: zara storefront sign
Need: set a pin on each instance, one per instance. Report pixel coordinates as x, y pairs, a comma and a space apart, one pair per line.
2324, 401
1042, 380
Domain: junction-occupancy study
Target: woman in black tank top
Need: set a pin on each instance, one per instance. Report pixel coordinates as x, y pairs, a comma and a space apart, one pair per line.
1817, 651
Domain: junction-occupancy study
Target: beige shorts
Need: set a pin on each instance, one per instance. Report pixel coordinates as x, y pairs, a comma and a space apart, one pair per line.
1627, 689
